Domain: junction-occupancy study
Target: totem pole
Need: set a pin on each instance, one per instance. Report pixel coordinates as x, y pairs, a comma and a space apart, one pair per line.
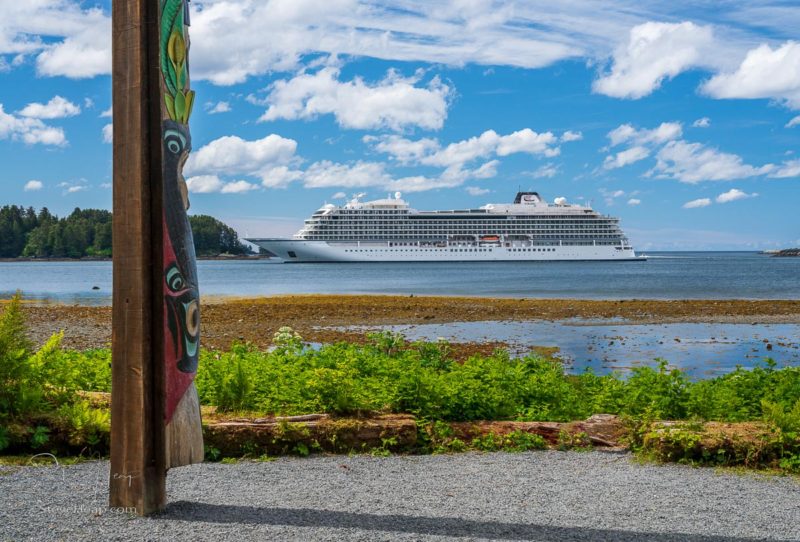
155, 413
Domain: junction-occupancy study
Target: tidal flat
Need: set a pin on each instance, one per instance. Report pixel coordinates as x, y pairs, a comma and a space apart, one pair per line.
705, 336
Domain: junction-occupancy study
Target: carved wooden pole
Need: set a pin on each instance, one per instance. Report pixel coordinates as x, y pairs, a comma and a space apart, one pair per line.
155, 414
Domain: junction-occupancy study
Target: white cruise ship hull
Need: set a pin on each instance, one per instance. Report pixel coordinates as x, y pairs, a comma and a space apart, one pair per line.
299, 251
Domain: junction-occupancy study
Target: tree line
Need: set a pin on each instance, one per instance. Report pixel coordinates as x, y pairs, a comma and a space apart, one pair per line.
87, 233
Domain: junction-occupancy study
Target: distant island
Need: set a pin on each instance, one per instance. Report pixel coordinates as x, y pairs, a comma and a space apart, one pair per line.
785, 253
86, 233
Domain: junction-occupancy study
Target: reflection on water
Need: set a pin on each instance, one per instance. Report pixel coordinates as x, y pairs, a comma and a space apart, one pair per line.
702, 350
676, 275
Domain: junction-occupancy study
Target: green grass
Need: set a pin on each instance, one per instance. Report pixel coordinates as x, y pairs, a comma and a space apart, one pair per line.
41, 407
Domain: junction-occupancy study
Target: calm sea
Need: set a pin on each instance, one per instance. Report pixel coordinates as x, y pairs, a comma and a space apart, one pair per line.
666, 275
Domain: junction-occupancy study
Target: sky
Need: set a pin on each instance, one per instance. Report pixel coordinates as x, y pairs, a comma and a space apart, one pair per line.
681, 118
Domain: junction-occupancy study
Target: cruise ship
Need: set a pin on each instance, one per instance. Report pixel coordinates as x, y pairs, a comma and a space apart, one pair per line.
389, 230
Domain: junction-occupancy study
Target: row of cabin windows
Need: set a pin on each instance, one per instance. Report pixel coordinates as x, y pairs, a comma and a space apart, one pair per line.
446, 249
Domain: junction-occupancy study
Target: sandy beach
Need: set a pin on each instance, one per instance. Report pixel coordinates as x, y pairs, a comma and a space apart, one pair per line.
256, 319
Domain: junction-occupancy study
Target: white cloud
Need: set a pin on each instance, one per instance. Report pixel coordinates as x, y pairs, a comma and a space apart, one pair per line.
235, 39
704, 122
327, 174
546, 171
401, 149
266, 158
626, 157
238, 187
211, 184
219, 107
65, 39
456, 155
279, 177
655, 51
477, 191
626, 133
793, 122
108, 113
30, 131
491, 143
764, 73
693, 163
204, 184
395, 102
485, 171
786, 170
734, 194
569, 135
56, 108
108, 133
634, 201
73, 187
33, 186
527, 141
697, 203
339, 195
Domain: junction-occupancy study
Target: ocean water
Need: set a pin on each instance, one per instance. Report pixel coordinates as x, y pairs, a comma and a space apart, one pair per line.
701, 350
666, 275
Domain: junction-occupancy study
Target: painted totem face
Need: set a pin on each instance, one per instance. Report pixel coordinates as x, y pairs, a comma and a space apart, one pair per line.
181, 296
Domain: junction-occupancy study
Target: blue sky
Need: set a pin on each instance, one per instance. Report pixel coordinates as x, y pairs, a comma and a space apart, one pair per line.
682, 121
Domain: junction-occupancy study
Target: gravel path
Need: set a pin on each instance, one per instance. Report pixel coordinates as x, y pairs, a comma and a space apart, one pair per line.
547, 496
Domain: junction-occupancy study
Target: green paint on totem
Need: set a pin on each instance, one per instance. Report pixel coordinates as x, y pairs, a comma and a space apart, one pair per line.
178, 98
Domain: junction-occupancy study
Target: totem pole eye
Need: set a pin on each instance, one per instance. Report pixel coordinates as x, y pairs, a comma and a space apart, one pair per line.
174, 278
175, 141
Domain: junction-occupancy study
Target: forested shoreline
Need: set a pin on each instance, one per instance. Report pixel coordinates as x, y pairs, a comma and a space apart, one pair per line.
86, 233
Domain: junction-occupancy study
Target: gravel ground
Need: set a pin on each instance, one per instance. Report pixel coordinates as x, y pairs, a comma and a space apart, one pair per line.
547, 496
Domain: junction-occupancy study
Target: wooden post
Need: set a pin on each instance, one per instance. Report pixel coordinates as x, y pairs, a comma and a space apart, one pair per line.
155, 417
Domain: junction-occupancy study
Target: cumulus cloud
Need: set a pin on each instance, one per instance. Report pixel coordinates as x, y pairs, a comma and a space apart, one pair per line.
654, 52
210, 184
734, 194
764, 73
704, 122
33, 186
793, 122
634, 201
477, 191
204, 184
266, 158
236, 39
238, 187
569, 135
30, 130
697, 203
693, 162
395, 102
73, 187
640, 141
489, 144
401, 149
65, 38
327, 174
219, 107
546, 171
108, 133
626, 157
56, 108
786, 170
626, 133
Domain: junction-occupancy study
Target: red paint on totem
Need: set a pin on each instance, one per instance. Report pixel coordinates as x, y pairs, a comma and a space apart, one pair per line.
177, 382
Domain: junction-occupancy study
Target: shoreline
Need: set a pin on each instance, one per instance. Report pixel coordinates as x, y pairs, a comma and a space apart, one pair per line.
225, 320
103, 259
